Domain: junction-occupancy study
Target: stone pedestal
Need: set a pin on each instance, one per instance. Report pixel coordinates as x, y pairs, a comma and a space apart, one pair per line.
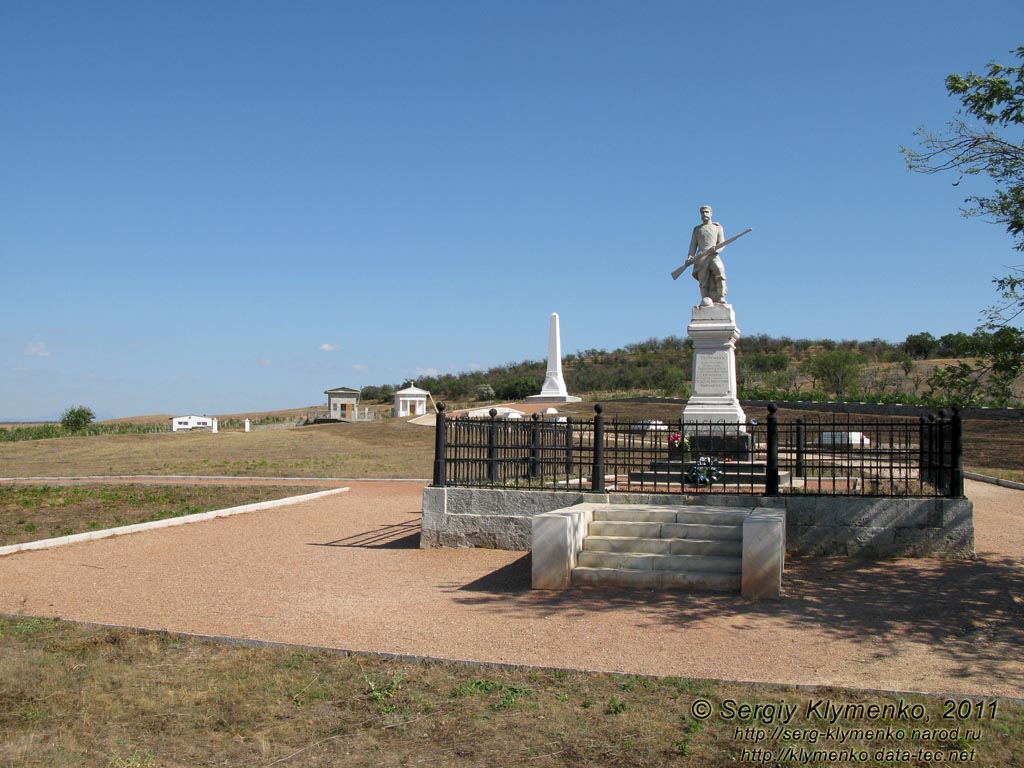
713, 408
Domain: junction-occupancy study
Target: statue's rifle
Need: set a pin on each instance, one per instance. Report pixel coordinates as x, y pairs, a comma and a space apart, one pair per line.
712, 250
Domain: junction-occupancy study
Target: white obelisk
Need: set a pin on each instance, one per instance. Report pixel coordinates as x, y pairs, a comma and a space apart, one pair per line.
554, 390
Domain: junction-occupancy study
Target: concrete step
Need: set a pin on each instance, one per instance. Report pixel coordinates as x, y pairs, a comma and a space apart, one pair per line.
615, 577
636, 513
666, 530
663, 547
644, 561
729, 547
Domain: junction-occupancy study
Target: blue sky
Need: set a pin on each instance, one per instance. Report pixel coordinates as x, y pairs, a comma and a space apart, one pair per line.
226, 206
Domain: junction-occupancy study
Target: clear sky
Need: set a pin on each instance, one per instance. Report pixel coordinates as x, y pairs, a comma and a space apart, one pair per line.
224, 206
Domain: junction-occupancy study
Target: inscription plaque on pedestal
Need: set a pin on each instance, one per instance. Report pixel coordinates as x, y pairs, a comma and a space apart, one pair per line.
711, 373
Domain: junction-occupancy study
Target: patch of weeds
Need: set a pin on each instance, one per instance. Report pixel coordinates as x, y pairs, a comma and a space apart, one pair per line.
383, 692
134, 760
689, 686
633, 682
615, 707
25, 628
509, 693
476, 686
313, 692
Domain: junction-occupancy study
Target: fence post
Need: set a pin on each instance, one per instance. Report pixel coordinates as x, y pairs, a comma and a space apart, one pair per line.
771, 479
800, 447
956, 455
570, 461
922, 448
597, 471
941, 478
535, 446
440, 426
492, 446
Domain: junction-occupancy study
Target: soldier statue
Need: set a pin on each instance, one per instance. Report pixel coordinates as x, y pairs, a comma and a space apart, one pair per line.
706, 245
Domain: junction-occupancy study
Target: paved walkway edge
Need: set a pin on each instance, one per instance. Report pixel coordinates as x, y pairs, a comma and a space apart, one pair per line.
994, 481
61, 541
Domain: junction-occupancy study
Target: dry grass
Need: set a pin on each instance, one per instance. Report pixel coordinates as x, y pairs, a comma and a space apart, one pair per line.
386, 448
31, 513
75, 695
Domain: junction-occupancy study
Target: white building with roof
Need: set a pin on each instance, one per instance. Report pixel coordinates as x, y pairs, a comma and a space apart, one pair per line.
411, 401
342, 402
186, 423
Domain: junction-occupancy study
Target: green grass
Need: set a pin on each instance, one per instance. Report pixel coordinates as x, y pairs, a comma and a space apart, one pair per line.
74, 695
1014, 475
33, 512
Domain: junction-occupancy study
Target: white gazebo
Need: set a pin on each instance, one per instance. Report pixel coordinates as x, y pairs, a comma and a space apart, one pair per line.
411, 401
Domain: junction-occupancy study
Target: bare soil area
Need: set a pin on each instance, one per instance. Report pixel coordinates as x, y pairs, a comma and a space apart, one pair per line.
346, 572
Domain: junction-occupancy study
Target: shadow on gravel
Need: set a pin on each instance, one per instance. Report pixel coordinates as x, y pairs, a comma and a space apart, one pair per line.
397, 536
514, 578
966, 610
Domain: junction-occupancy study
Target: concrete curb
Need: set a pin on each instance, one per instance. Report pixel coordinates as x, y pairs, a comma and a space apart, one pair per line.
994, 481
61, 541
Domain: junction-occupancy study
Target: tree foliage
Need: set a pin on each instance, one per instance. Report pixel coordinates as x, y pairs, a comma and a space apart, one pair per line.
920, 346
997, 101
997, 348
839, 369
77, 418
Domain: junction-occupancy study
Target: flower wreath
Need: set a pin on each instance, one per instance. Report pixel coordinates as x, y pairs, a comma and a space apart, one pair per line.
704, 472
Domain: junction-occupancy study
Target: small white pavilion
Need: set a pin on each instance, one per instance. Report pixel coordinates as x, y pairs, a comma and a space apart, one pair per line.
411, 401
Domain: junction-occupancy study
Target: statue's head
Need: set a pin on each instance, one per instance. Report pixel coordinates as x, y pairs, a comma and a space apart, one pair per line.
705, 212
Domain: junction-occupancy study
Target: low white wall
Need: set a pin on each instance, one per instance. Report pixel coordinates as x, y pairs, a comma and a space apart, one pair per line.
557, 542
764, 553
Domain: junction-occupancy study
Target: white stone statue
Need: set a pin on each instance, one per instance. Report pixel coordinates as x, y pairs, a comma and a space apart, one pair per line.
706, 245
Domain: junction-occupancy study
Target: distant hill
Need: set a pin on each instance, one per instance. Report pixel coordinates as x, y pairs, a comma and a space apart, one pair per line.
767, 367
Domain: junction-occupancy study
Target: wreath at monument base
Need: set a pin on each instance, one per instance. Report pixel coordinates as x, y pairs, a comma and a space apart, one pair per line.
704, 472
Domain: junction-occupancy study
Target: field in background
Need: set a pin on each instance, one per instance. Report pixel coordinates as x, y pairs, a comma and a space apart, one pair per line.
385, 448
378, 449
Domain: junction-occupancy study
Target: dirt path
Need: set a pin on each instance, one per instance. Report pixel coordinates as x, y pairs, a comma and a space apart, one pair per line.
346, 572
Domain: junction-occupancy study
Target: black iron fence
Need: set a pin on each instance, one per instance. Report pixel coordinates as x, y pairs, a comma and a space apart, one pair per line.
837, 455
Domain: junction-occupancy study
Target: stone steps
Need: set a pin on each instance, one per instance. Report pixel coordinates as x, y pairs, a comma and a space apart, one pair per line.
617, 577
730, 547
663, 547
